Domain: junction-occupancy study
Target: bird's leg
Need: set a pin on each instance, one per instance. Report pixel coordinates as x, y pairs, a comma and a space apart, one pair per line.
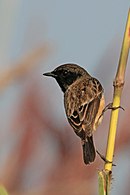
108, 107
104, 159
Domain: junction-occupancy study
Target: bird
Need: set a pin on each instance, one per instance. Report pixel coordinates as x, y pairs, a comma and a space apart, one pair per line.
84, 103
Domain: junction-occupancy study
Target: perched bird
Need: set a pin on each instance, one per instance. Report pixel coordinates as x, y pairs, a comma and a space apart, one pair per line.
84, 103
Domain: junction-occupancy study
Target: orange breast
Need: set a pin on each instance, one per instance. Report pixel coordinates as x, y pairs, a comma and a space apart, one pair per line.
98, 119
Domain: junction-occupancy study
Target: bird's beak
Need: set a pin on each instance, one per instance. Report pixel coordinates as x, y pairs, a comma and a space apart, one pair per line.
49, 74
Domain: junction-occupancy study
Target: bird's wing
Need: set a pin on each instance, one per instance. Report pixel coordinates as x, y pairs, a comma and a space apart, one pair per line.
83, 100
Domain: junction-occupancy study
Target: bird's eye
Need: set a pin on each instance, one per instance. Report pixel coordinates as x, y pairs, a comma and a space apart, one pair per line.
65, 73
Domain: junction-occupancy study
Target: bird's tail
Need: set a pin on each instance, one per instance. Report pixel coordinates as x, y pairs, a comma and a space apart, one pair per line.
89, 152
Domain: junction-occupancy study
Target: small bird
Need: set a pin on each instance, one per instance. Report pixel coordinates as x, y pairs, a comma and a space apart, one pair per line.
84, 103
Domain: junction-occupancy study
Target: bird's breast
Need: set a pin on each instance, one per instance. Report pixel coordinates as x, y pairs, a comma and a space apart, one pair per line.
99, 115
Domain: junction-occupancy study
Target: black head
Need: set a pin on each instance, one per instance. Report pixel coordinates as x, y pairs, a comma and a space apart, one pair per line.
67, 74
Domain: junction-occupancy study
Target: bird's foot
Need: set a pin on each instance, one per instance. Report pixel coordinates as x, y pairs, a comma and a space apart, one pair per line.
104, 159
108, 107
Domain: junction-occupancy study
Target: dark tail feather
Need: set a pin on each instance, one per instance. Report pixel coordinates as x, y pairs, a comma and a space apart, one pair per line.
89, 152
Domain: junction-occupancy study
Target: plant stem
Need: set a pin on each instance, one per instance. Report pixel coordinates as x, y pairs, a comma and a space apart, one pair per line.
104, 176
118, 87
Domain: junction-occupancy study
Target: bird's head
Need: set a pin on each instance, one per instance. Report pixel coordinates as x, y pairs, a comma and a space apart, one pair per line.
67, 74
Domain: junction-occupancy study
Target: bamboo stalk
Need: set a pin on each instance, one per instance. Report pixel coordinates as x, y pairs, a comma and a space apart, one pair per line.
118, 87
104, 176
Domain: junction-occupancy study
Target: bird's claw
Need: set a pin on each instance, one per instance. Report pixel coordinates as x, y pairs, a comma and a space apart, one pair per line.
108, 107
104, 159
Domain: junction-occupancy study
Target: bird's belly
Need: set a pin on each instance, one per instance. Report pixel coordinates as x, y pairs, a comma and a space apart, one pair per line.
99, 115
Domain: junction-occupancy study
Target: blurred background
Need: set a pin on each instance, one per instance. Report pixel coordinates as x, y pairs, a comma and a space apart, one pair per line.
39, 152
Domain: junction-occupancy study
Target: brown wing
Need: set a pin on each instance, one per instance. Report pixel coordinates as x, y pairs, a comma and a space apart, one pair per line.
82, 102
